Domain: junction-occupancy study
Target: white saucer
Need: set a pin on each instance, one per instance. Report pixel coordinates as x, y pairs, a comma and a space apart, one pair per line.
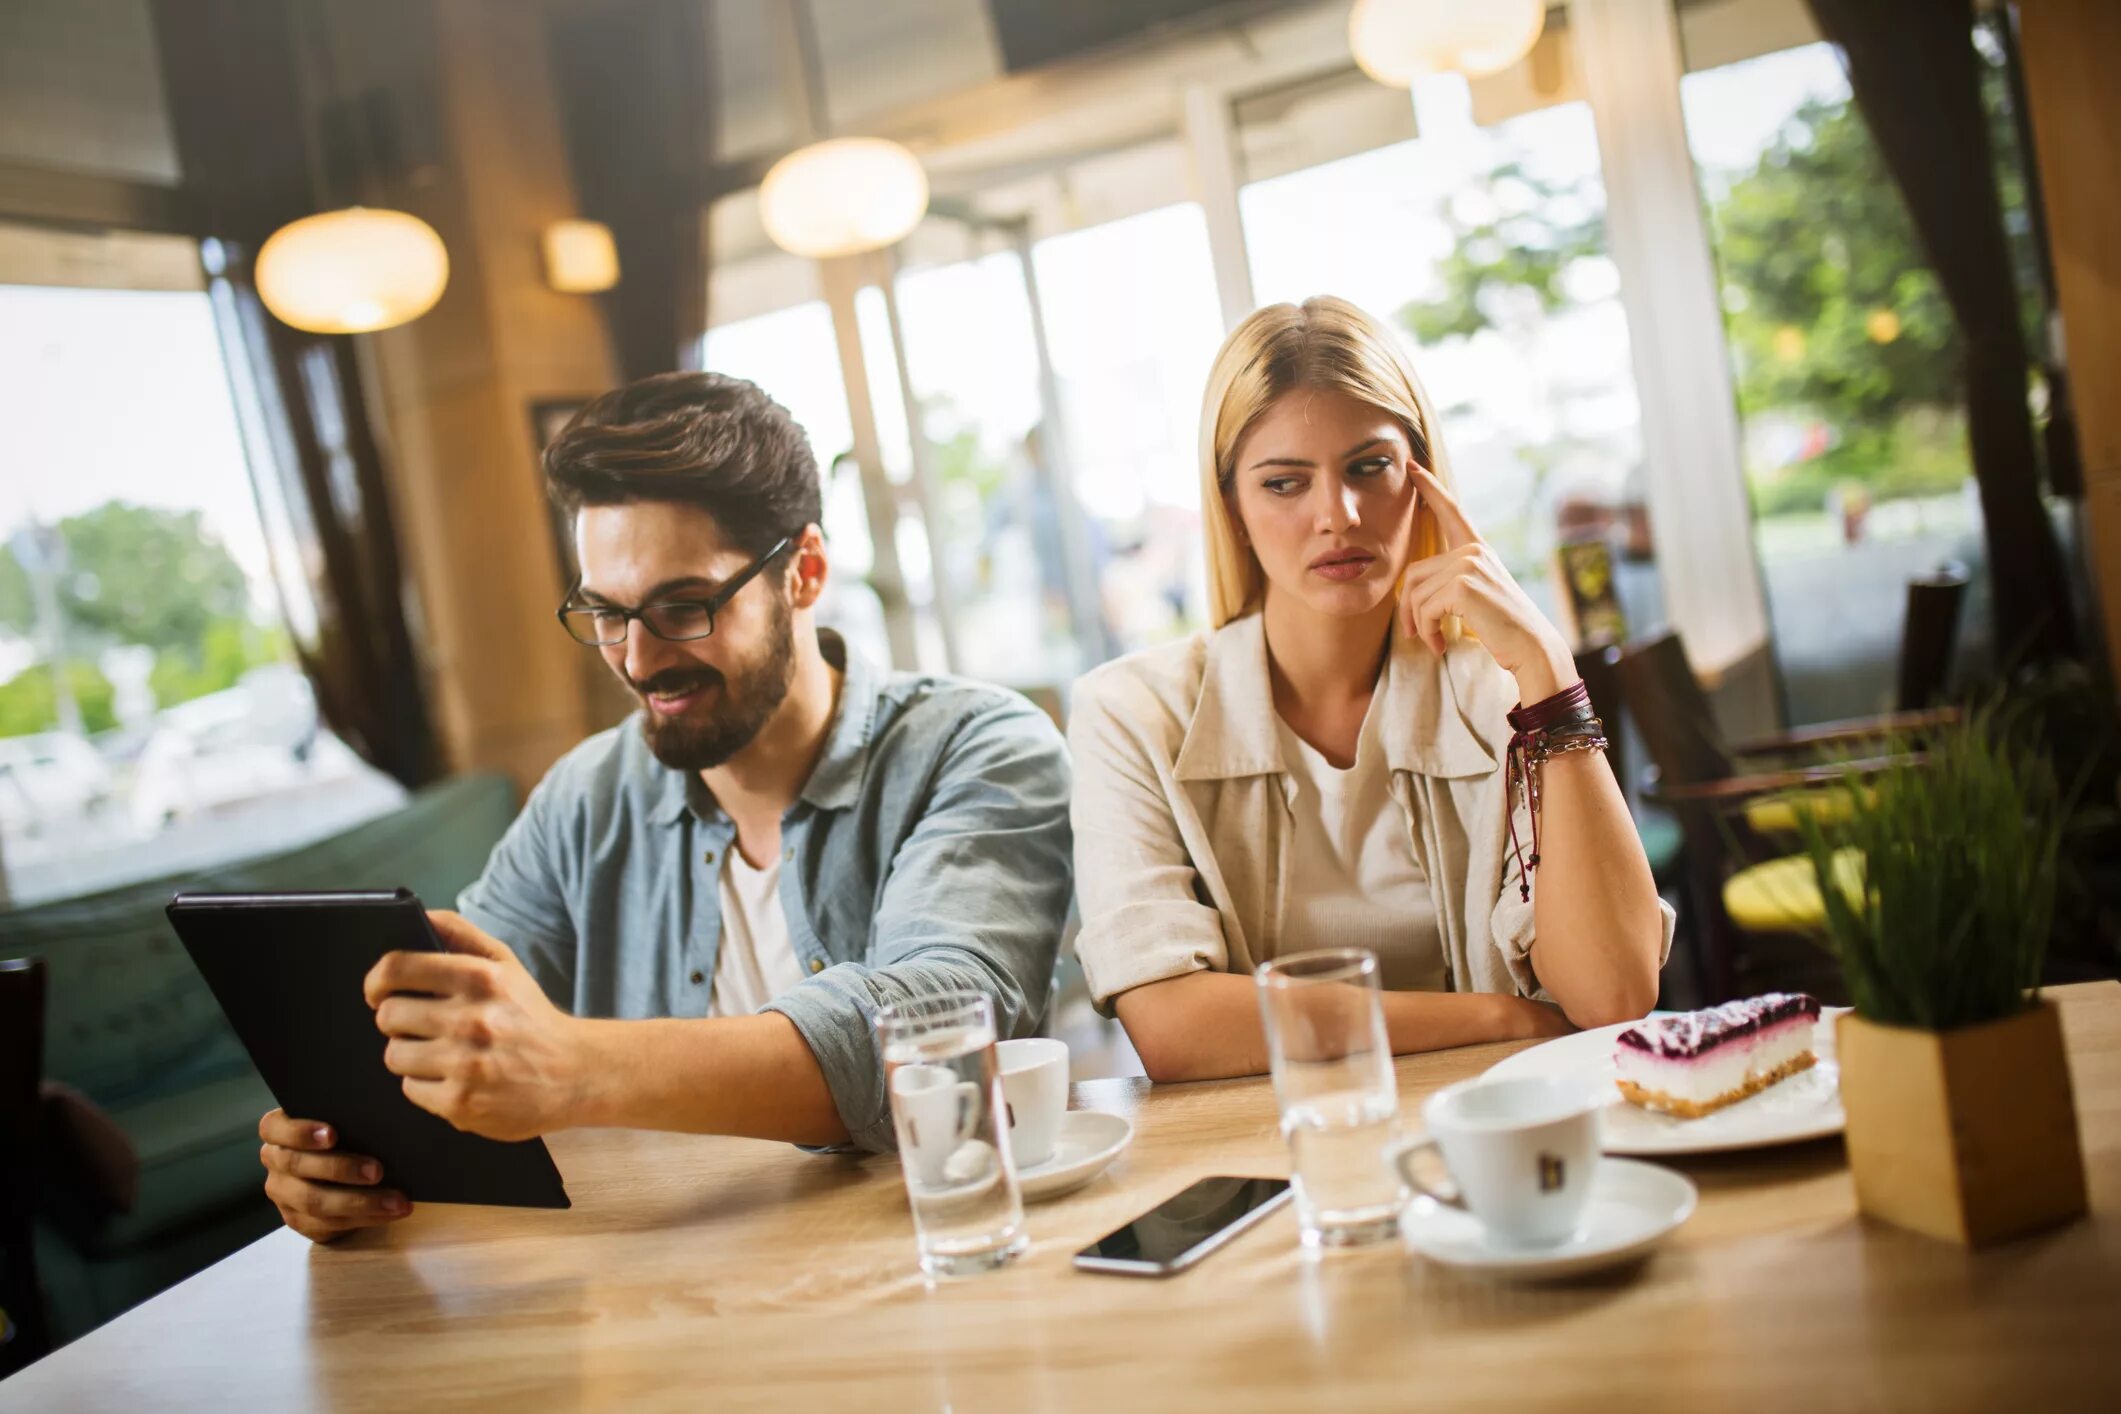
1633, 1206
1089, 1140
1805, 1106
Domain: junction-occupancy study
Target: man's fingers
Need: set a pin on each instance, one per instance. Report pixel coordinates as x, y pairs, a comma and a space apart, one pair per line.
440, 974
416, 1060
1457, 530
416, 1017
460, 935
277, 1128
333, 1202
322, 1168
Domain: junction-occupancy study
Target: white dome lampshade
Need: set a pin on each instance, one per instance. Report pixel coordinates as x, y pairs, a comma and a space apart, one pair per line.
843, 196
352, 271
1399, 41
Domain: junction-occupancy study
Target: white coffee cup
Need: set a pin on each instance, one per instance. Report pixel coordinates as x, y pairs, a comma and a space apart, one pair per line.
935, 1112
1035, 1085
1521, 1153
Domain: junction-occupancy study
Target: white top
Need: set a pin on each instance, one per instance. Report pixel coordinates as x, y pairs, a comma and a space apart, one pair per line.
1353, 878
757, 962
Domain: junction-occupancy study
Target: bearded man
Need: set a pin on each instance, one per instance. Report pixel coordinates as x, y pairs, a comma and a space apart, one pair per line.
696, 917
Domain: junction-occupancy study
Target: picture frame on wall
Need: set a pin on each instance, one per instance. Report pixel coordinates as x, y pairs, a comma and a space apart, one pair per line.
548, 416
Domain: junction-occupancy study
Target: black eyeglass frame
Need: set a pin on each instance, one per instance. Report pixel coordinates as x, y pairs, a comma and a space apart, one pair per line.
712, 603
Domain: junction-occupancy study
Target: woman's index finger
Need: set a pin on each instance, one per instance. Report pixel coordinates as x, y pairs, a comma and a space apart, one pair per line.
1457, 530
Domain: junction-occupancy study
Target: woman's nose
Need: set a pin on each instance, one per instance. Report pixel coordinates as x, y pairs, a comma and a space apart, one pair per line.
1337, 508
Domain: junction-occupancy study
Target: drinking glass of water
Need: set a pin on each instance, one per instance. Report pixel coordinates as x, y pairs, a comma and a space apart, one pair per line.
946, 1107
1339, 1097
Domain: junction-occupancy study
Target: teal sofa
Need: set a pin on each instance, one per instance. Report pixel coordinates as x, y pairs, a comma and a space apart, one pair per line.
130, 1023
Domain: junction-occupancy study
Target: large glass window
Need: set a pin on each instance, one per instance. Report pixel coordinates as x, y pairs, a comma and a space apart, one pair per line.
1482, 242
1133, 323
151, 717
1844, 352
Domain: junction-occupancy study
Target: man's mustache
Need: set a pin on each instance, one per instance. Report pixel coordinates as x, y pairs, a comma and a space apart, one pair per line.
676, 682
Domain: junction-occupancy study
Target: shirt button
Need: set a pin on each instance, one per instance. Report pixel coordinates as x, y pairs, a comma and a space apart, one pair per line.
817, 964
698, 977
710, 856
789, 855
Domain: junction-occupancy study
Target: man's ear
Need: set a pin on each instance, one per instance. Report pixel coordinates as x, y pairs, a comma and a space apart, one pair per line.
807, 568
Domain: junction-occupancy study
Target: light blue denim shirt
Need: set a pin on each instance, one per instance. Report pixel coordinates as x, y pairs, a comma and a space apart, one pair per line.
929, 851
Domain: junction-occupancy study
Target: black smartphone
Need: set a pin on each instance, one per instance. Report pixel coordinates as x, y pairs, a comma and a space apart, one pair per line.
1185, 1227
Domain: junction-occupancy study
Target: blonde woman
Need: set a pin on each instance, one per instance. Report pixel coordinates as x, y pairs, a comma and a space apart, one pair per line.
1330, 765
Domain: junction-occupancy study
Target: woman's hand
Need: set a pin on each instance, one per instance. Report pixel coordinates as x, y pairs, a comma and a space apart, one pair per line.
1468, 579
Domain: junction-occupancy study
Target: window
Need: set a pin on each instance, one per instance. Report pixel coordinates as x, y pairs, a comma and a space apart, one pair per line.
151, 717
1133, 324
1844, 352
1483, 244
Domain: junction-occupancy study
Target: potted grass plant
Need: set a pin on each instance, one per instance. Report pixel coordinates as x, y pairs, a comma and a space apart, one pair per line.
1961, 1122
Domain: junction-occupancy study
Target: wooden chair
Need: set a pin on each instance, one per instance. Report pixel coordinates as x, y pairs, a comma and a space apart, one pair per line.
1739, 807
24, 1334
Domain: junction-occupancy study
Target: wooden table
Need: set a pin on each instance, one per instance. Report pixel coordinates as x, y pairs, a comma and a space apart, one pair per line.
725, 1274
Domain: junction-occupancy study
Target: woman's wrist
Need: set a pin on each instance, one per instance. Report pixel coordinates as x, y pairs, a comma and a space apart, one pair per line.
1547, 668
1526, 1020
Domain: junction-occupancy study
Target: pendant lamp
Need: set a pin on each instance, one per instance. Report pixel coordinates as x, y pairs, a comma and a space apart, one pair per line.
352, 271
1399, 41
843, 196
838, 195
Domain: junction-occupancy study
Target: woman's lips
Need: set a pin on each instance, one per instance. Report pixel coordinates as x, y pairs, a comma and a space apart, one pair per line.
1344, 566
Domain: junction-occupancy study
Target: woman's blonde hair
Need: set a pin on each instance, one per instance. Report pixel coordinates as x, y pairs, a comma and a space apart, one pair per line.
1324, 345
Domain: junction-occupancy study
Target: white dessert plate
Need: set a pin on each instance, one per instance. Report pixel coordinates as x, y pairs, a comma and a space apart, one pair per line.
1632, 1207
1805, 1106
1089, 1140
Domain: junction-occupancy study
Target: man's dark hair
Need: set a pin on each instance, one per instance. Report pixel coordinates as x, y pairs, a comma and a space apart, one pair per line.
698, 439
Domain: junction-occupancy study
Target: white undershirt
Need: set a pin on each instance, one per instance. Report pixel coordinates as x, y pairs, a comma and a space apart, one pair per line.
757, 962
1353, 878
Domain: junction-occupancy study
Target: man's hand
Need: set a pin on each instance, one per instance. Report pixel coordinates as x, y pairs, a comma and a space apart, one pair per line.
321, 1193
475, 1037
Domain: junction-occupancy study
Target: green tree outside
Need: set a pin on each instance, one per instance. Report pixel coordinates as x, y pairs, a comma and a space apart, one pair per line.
135, 575
1833, 313
28, 702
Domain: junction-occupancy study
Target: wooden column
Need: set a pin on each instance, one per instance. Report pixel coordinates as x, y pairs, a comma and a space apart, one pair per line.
512, 692
2071, 50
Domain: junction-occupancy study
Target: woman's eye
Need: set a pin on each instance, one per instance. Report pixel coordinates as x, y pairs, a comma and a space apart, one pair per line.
1371, 466
1282, 485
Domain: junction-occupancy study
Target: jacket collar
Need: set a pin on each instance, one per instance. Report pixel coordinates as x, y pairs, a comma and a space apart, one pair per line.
836, 781
1233, 733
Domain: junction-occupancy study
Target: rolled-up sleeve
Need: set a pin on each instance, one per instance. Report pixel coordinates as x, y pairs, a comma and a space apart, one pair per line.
1143, 918
975, 899
521, 895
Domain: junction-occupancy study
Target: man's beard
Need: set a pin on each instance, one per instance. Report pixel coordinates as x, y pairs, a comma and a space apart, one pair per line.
747, 700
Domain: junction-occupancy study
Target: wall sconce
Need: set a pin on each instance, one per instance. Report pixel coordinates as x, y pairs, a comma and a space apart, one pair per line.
580, 257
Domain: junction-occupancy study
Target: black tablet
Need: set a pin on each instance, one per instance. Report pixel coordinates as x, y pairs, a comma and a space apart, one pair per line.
287, 969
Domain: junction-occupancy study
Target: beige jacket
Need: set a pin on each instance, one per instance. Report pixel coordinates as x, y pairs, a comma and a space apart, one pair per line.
1182, 817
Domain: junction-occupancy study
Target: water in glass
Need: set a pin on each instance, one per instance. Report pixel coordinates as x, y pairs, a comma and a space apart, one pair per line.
1337, 1144
1339, 1098
946, 1108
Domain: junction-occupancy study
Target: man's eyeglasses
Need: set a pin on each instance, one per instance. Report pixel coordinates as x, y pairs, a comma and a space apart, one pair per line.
672, 620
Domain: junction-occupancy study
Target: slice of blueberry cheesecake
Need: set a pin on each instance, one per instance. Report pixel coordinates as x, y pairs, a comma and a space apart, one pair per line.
1694, 1063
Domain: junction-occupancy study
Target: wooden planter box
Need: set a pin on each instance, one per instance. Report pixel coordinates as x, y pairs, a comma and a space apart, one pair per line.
1969, 1135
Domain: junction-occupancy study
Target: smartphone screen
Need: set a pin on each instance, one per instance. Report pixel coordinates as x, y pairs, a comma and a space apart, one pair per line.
1185, 1227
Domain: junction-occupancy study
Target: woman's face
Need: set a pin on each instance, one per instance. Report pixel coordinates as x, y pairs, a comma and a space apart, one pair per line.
1322, 495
